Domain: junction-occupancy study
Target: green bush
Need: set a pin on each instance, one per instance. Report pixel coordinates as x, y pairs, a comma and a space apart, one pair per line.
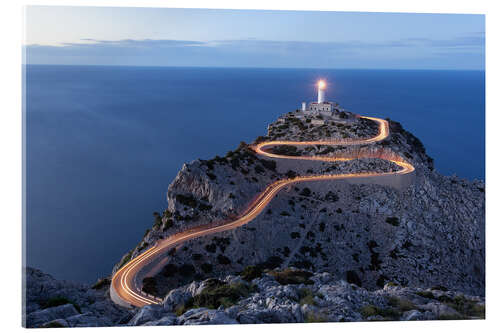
305, 192
182, 308
312, 317
169, 270
368, 311
187, 270
401, 304
387, 313
306, 296
149, 285
393, 221
466, 308
187, 200
126, 258
206, 268
101, 283
425, 294
251, 272
289, 276
223, 260
218, 293
57, 301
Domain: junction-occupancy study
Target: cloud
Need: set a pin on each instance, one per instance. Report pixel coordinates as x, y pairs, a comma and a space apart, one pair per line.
255, 52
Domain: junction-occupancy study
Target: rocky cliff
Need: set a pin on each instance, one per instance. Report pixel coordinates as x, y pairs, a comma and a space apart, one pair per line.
431, 233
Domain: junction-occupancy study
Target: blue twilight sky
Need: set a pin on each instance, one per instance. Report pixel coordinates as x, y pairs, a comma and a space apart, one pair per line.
252, 38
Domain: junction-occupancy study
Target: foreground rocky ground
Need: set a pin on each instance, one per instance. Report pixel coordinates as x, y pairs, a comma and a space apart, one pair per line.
252, 297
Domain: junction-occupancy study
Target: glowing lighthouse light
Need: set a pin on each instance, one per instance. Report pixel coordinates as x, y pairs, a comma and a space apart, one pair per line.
321, 91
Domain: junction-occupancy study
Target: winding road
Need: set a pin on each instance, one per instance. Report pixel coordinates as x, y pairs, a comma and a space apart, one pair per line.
125, 289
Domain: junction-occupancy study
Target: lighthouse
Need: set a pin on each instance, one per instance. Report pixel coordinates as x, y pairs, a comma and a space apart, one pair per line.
321, 91
321, 106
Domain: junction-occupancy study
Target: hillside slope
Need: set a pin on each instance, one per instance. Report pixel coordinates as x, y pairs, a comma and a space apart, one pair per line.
431, 233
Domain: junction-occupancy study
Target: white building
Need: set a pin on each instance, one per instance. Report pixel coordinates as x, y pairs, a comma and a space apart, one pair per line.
320, 107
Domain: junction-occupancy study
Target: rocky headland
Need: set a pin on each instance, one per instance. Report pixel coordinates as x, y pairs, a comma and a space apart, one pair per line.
321, 251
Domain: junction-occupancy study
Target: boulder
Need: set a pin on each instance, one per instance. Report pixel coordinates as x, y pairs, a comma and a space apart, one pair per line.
40, 317
146, 314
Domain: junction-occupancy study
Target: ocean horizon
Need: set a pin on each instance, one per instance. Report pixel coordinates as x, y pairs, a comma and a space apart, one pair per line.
104, 142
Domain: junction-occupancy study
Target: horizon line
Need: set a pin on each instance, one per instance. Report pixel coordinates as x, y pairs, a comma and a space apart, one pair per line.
257, 67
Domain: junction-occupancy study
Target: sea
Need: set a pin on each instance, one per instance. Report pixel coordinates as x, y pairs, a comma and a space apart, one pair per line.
104, 142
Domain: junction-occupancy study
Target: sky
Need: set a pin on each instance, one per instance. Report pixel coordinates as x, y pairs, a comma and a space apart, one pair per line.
252, 38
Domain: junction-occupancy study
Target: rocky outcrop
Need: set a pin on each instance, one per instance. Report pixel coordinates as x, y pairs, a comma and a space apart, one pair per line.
54, 303
430, 233
268, 296
321, 297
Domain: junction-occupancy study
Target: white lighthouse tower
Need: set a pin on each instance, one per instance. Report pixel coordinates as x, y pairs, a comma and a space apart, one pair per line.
321, 91
320, 107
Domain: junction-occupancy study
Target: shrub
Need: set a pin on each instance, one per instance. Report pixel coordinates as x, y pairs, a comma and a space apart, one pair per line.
187, 270
466, 307
169, 270
223, 260
401, 304
182, 308
259, 169
352, 277
283, 213
289, 276
425, 294
203, 206
295, 235
271, 262
211, 248
157, 220
126, 258
393, 221
368, 311
206, 268
387, 313
251, 272
187, 200
305, 192
149, 285
330, 196
57, 301
217, 293
101, 283
306, 296
312, 317
268, 164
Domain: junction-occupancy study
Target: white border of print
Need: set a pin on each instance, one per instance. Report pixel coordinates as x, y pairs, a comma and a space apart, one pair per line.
11, 34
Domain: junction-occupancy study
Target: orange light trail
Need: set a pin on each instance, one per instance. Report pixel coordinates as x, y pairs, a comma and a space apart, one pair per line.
124, 284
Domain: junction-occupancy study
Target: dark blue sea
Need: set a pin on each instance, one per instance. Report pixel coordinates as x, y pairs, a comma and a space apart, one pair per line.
103, 143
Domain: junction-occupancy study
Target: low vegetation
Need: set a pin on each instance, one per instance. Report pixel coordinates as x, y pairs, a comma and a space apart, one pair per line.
58, 301
215, 294
290, 276
393, 220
